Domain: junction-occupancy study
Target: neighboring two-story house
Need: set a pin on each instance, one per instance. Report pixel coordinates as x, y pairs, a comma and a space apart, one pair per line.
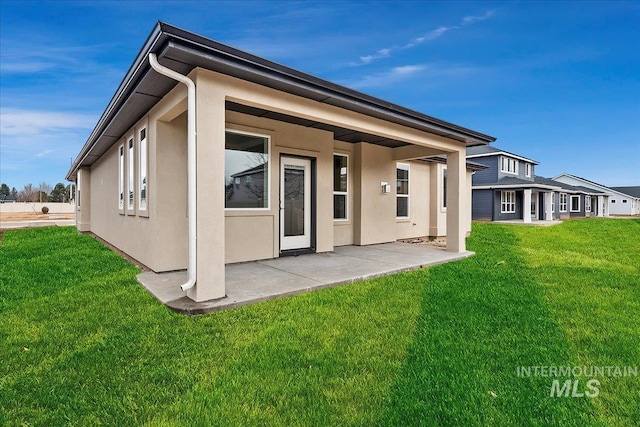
507, 189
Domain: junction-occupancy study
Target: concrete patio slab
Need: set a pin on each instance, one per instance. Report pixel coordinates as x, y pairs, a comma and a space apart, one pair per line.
257, 281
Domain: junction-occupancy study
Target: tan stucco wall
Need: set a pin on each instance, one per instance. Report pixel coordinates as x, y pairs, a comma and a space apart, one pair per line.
261, 227
343, 229
417, 225
375, 212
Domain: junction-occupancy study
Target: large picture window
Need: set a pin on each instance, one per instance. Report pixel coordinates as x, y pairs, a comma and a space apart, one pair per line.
142, 170
402, 190
575, 203
340, 186
563, 202
508, 202
246, 171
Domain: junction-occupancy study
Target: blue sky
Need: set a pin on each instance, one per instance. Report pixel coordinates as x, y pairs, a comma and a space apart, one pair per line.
558, 82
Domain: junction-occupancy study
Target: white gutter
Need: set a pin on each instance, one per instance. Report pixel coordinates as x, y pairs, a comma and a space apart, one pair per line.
191, 162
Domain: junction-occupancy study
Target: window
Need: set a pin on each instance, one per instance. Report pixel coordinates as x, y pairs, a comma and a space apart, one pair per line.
402, 190
340, 186
444, 188
624, 200
528, 169
508, 202
563, 202
587, 203
613, 200
575, 203
130, 175
142, 170
121, 178
509, 165
246, 159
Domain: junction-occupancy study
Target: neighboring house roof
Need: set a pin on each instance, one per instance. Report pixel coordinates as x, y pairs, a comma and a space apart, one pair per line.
7, 198
486, 151
602, 188
510, 182
250, 171
561, 185
443, 159
631, 191
183, 51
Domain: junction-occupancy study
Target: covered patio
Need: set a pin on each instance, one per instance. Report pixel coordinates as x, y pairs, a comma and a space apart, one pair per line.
256, 281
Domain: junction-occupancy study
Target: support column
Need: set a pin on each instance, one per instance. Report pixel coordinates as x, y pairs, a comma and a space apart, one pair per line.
210, 130
526, 206
548, 204
456, 183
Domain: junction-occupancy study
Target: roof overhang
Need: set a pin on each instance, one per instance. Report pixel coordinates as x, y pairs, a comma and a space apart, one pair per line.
503, 153
183, 51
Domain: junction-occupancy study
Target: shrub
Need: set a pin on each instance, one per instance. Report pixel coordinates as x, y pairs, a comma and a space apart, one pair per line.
45, 210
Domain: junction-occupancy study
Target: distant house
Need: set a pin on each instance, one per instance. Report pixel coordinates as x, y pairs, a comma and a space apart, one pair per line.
506, 189
278, 163
633, 203
612, 201
7, 198
509, 189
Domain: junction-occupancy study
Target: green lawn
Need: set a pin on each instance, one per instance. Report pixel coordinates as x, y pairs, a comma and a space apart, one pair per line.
81, 343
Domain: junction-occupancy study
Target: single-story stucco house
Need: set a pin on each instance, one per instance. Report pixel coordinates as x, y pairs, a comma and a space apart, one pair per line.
208, 155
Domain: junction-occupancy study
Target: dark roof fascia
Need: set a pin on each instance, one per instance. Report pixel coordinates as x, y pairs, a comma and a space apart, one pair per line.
164, 35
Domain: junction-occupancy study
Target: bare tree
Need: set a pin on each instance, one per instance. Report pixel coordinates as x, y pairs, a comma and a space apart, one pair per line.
26, 194
44, 190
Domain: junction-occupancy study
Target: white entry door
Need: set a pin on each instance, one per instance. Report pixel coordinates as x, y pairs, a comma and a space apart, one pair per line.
295, 203
534, 206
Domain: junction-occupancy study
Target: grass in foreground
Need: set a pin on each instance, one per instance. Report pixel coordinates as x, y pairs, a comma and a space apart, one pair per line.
82, 343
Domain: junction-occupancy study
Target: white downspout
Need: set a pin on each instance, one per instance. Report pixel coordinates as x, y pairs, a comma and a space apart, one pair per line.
191, 162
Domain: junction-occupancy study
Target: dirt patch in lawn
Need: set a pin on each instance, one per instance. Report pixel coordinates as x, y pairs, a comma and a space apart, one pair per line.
438, 242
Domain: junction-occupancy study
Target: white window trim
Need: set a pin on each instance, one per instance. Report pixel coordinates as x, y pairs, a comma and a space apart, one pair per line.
121, 176
131, 176
343, 193
143, 163
571, 203
509, 161
269, 168
506, 205
561, 203
527, 168
407, 167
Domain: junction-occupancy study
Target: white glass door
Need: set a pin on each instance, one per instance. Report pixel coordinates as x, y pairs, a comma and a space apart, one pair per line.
295, 203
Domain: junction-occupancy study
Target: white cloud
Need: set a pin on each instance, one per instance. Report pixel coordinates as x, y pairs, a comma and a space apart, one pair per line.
471, 19
392, 76
431, 35
15, 122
